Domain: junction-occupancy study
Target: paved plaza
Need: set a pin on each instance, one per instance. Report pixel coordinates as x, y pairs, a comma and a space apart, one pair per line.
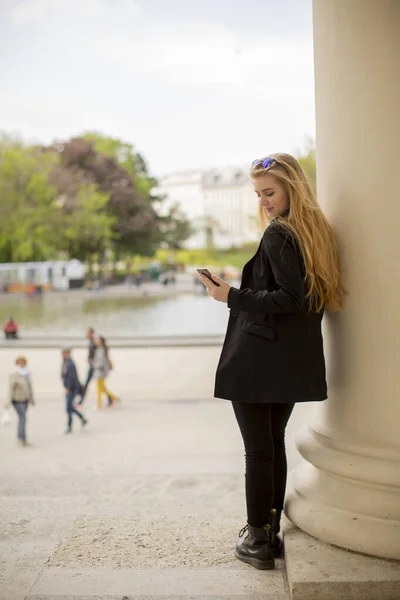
145, 503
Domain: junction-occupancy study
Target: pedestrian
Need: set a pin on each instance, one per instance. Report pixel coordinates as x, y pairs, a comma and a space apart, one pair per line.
92, 350
72, 388
102, 366
10, 329
273, 355
21, 396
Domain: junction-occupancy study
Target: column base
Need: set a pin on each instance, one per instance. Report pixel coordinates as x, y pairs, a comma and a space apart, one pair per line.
321, 571
346, 494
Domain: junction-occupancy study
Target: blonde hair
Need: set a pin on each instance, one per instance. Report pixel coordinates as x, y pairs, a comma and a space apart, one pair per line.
21, 359
310, 228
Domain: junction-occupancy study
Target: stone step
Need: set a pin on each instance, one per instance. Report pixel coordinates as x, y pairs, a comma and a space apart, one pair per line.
320, 571
151, 556
154, 584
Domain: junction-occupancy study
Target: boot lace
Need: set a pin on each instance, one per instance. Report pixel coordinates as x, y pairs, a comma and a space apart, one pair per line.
246, 528
243, 531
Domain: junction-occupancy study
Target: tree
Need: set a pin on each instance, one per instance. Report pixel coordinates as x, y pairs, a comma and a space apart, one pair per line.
174, 228
44, 210
133, 215
74, 199
171, 229
87, 224
28, 214
87, 228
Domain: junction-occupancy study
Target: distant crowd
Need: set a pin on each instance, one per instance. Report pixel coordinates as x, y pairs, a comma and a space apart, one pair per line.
21, 394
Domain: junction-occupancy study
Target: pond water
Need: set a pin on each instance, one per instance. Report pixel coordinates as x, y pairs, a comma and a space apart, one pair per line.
71, 312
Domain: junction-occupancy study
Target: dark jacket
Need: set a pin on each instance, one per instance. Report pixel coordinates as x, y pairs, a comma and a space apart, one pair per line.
273, 349
70, 376
92, 350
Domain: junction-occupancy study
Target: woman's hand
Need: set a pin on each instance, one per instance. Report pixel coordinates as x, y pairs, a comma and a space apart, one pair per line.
218, 293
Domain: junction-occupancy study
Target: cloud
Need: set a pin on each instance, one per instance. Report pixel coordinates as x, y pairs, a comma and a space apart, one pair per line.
34, 10
201, 53
187, 92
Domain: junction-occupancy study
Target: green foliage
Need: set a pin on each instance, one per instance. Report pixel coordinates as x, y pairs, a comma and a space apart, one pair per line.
28, 213
124, 155
174, 229
235, 257
171, 229
36, 221
133, 216
87, 229
121, 152
79, 199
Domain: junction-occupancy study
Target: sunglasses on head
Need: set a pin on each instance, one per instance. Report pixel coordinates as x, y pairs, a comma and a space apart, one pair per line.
267, 162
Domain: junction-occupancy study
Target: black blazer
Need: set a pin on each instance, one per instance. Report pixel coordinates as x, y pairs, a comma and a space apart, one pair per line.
273, 348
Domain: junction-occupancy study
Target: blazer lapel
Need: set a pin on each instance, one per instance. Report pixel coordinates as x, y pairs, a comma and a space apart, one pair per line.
247, 266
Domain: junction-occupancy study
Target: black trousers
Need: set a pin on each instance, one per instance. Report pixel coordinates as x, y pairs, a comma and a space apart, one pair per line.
263, 431
88, 380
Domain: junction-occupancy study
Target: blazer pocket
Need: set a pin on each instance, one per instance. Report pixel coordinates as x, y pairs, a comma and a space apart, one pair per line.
260, 330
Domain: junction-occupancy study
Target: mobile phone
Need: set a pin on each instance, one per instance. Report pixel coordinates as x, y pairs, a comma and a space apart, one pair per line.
207, 273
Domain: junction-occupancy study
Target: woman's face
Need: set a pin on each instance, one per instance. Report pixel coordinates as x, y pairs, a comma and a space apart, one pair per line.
272, 196
98, 342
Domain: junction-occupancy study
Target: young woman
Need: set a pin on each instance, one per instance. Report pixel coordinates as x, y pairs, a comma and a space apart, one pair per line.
21, 396
273, 355
101, 368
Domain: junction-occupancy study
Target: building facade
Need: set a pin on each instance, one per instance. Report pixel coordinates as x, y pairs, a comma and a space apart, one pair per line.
185, 190
220, 204
231, 206
56, 275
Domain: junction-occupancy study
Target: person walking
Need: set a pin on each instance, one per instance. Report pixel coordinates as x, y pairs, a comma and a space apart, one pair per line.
273, 355
21, 396
72, 388
92, 349
101, 368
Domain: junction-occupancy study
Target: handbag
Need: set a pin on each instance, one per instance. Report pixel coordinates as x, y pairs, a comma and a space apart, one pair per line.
6, 418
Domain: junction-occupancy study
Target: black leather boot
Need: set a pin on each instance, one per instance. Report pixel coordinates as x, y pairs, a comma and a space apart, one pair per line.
275, 541
255, 548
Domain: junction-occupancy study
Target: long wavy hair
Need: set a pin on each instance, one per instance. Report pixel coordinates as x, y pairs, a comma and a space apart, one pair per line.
104, 344
306, 221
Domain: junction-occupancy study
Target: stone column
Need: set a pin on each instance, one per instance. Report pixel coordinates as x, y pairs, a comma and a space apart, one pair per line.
347, 490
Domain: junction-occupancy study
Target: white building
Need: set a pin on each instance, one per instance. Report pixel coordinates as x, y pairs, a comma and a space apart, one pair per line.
56, 274
231, 206
220, 204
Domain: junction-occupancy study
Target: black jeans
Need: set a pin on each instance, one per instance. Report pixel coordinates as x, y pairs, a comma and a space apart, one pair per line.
263, 431
88, 380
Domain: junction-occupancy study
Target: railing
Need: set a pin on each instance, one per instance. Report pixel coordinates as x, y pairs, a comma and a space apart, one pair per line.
60, 341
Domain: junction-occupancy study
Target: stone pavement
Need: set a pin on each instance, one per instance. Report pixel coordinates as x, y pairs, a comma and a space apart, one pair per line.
145, 503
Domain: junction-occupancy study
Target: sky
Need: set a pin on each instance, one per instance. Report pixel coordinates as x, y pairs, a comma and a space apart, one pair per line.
192, 84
